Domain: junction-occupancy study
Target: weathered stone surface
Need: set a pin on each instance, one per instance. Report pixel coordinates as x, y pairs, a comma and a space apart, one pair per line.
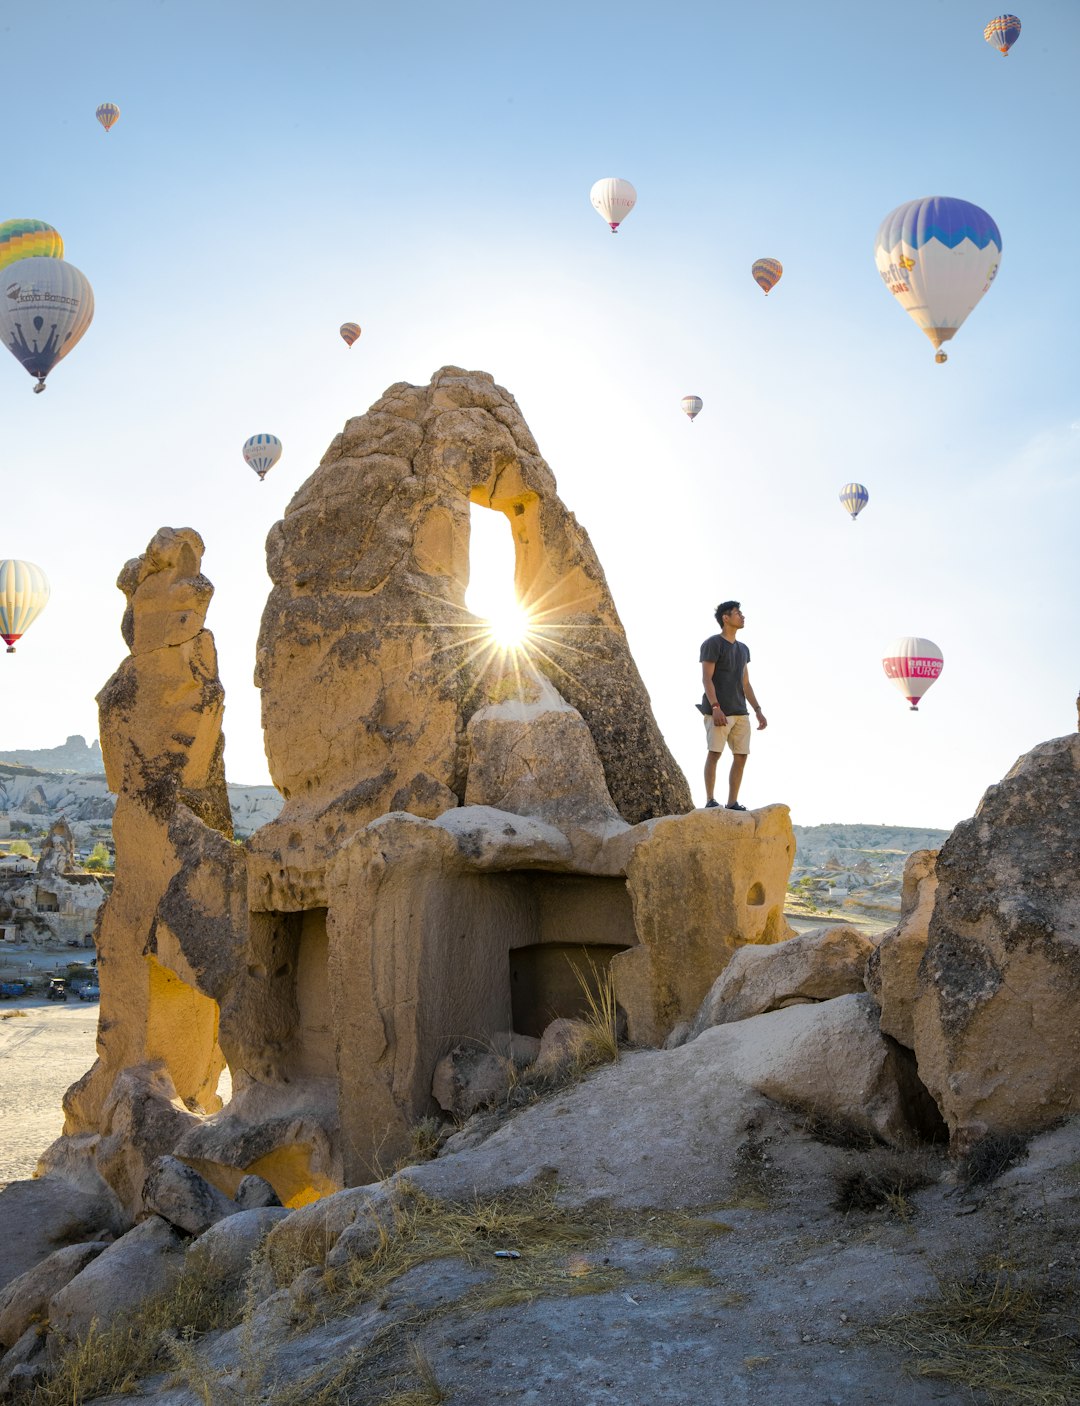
999, 985
520, 1050
139, 1266
182, 1197
26, 1298
223, 1253
702, 885
892, 968
40, 1216
254, 1192
141, 1119
367, 614
811, 966
317, 1227
559, 1042
23, 1366
468, 1078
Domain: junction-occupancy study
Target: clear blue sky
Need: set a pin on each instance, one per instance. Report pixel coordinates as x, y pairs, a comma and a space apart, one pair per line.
425, 170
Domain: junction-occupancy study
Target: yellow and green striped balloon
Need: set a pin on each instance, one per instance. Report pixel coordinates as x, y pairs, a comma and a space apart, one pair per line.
24, 593
28, 239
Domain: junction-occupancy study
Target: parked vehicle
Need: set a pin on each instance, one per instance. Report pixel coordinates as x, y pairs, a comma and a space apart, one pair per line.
89, 993
10, 990
57, 989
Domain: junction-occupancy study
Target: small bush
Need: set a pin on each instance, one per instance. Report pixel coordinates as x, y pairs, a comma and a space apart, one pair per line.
991, 1156
882, 1187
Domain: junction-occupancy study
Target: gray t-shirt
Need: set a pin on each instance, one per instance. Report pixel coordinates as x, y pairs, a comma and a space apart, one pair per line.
730, 659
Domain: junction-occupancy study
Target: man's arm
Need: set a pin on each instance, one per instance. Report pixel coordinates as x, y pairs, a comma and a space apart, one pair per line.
751, 698
708, 668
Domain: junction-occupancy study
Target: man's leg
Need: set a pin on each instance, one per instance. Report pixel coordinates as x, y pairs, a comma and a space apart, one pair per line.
738, 764
711, 758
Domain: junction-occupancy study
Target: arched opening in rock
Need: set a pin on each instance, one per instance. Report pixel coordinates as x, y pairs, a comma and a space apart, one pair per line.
491, 594
756, 897
182, 1031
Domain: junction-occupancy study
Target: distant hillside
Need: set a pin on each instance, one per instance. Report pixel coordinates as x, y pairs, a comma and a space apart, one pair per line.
75, 755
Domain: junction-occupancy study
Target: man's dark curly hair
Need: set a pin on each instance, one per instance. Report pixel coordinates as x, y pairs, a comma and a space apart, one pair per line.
725, 608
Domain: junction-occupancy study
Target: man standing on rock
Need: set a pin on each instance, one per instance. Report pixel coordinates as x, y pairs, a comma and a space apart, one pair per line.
726, 680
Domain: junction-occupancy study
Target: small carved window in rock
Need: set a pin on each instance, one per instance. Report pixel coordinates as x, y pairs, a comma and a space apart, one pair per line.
756, 897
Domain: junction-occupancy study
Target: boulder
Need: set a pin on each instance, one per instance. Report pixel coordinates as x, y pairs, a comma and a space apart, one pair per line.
560, 1042
141, 1265
27, 1298
520, 1050
811, 966
469, 1078
308, 1234
23, 1366
999, 985
40, 1216
255, 1192
223, 1254
893, 966
182, 1197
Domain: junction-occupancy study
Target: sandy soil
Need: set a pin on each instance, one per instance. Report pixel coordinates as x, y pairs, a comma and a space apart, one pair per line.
41, 1054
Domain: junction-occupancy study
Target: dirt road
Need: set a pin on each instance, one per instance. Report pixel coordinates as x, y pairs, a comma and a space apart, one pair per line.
41, 1053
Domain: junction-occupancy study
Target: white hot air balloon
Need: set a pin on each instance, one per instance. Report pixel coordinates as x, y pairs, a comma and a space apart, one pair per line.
24, 593
913, 664
261, 453
45, 307
613, 199
691, 405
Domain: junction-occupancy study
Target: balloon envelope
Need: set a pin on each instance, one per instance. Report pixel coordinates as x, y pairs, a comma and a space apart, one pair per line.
692, 405
349, 332
261, 452
613, 199
938, 256
913, 664
108, 114
1003, 32
854, 497
24, 593
767, 273
28, 239
45, 307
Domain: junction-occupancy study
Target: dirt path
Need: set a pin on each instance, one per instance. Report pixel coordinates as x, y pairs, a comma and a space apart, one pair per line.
41, 1054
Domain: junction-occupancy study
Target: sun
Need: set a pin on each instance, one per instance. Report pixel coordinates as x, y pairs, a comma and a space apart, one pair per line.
509, 626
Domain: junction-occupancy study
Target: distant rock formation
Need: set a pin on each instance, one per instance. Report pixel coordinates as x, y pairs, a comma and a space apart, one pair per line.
49, 904
74, 755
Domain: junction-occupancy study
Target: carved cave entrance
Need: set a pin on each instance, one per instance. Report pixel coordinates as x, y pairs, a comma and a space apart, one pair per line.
575, 925
292, 949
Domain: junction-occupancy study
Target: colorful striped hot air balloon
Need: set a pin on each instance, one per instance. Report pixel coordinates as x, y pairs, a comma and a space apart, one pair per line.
691, 405
108, 114
349, 332
28, 239
1003, 32
24, 594
767, 273
854, 497
613, 199
938, 256
913, 664
261, 453
45, 307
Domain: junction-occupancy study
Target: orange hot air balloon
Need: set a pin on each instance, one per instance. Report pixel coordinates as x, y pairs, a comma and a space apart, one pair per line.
767, 274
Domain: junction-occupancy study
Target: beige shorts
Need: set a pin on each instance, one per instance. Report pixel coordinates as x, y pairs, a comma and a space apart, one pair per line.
736, 734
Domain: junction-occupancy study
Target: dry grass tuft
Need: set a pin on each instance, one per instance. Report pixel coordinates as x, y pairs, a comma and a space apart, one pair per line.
991, 1156
13, 1015
599, 1042
109, 1361
1003, 1334
688, 1276
425, 1139
883, 1185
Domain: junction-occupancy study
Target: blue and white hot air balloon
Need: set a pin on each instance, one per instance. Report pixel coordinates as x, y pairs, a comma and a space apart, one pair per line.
261, 453
938, 256
854, 497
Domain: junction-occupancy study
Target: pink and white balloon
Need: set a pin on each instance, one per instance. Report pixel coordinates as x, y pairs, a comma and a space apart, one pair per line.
913, 664
613, 199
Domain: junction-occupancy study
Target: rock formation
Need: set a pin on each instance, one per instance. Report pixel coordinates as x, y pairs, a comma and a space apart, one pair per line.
467, 835
999, 986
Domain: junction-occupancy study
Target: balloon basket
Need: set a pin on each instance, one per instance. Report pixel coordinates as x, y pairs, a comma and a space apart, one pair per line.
39, 387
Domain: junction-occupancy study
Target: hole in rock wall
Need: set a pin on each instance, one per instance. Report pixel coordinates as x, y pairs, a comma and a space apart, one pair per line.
182, 1031
577, 924
756, 897
491, 594
289, 953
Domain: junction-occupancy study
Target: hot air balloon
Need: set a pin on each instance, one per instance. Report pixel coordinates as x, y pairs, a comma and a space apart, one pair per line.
613, 199
24, 594
854, 497
28, 239
349, 332
938, 256
45, 307
691, 405
261, 452
767, 273
1004, 32
108, 114
913, 665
